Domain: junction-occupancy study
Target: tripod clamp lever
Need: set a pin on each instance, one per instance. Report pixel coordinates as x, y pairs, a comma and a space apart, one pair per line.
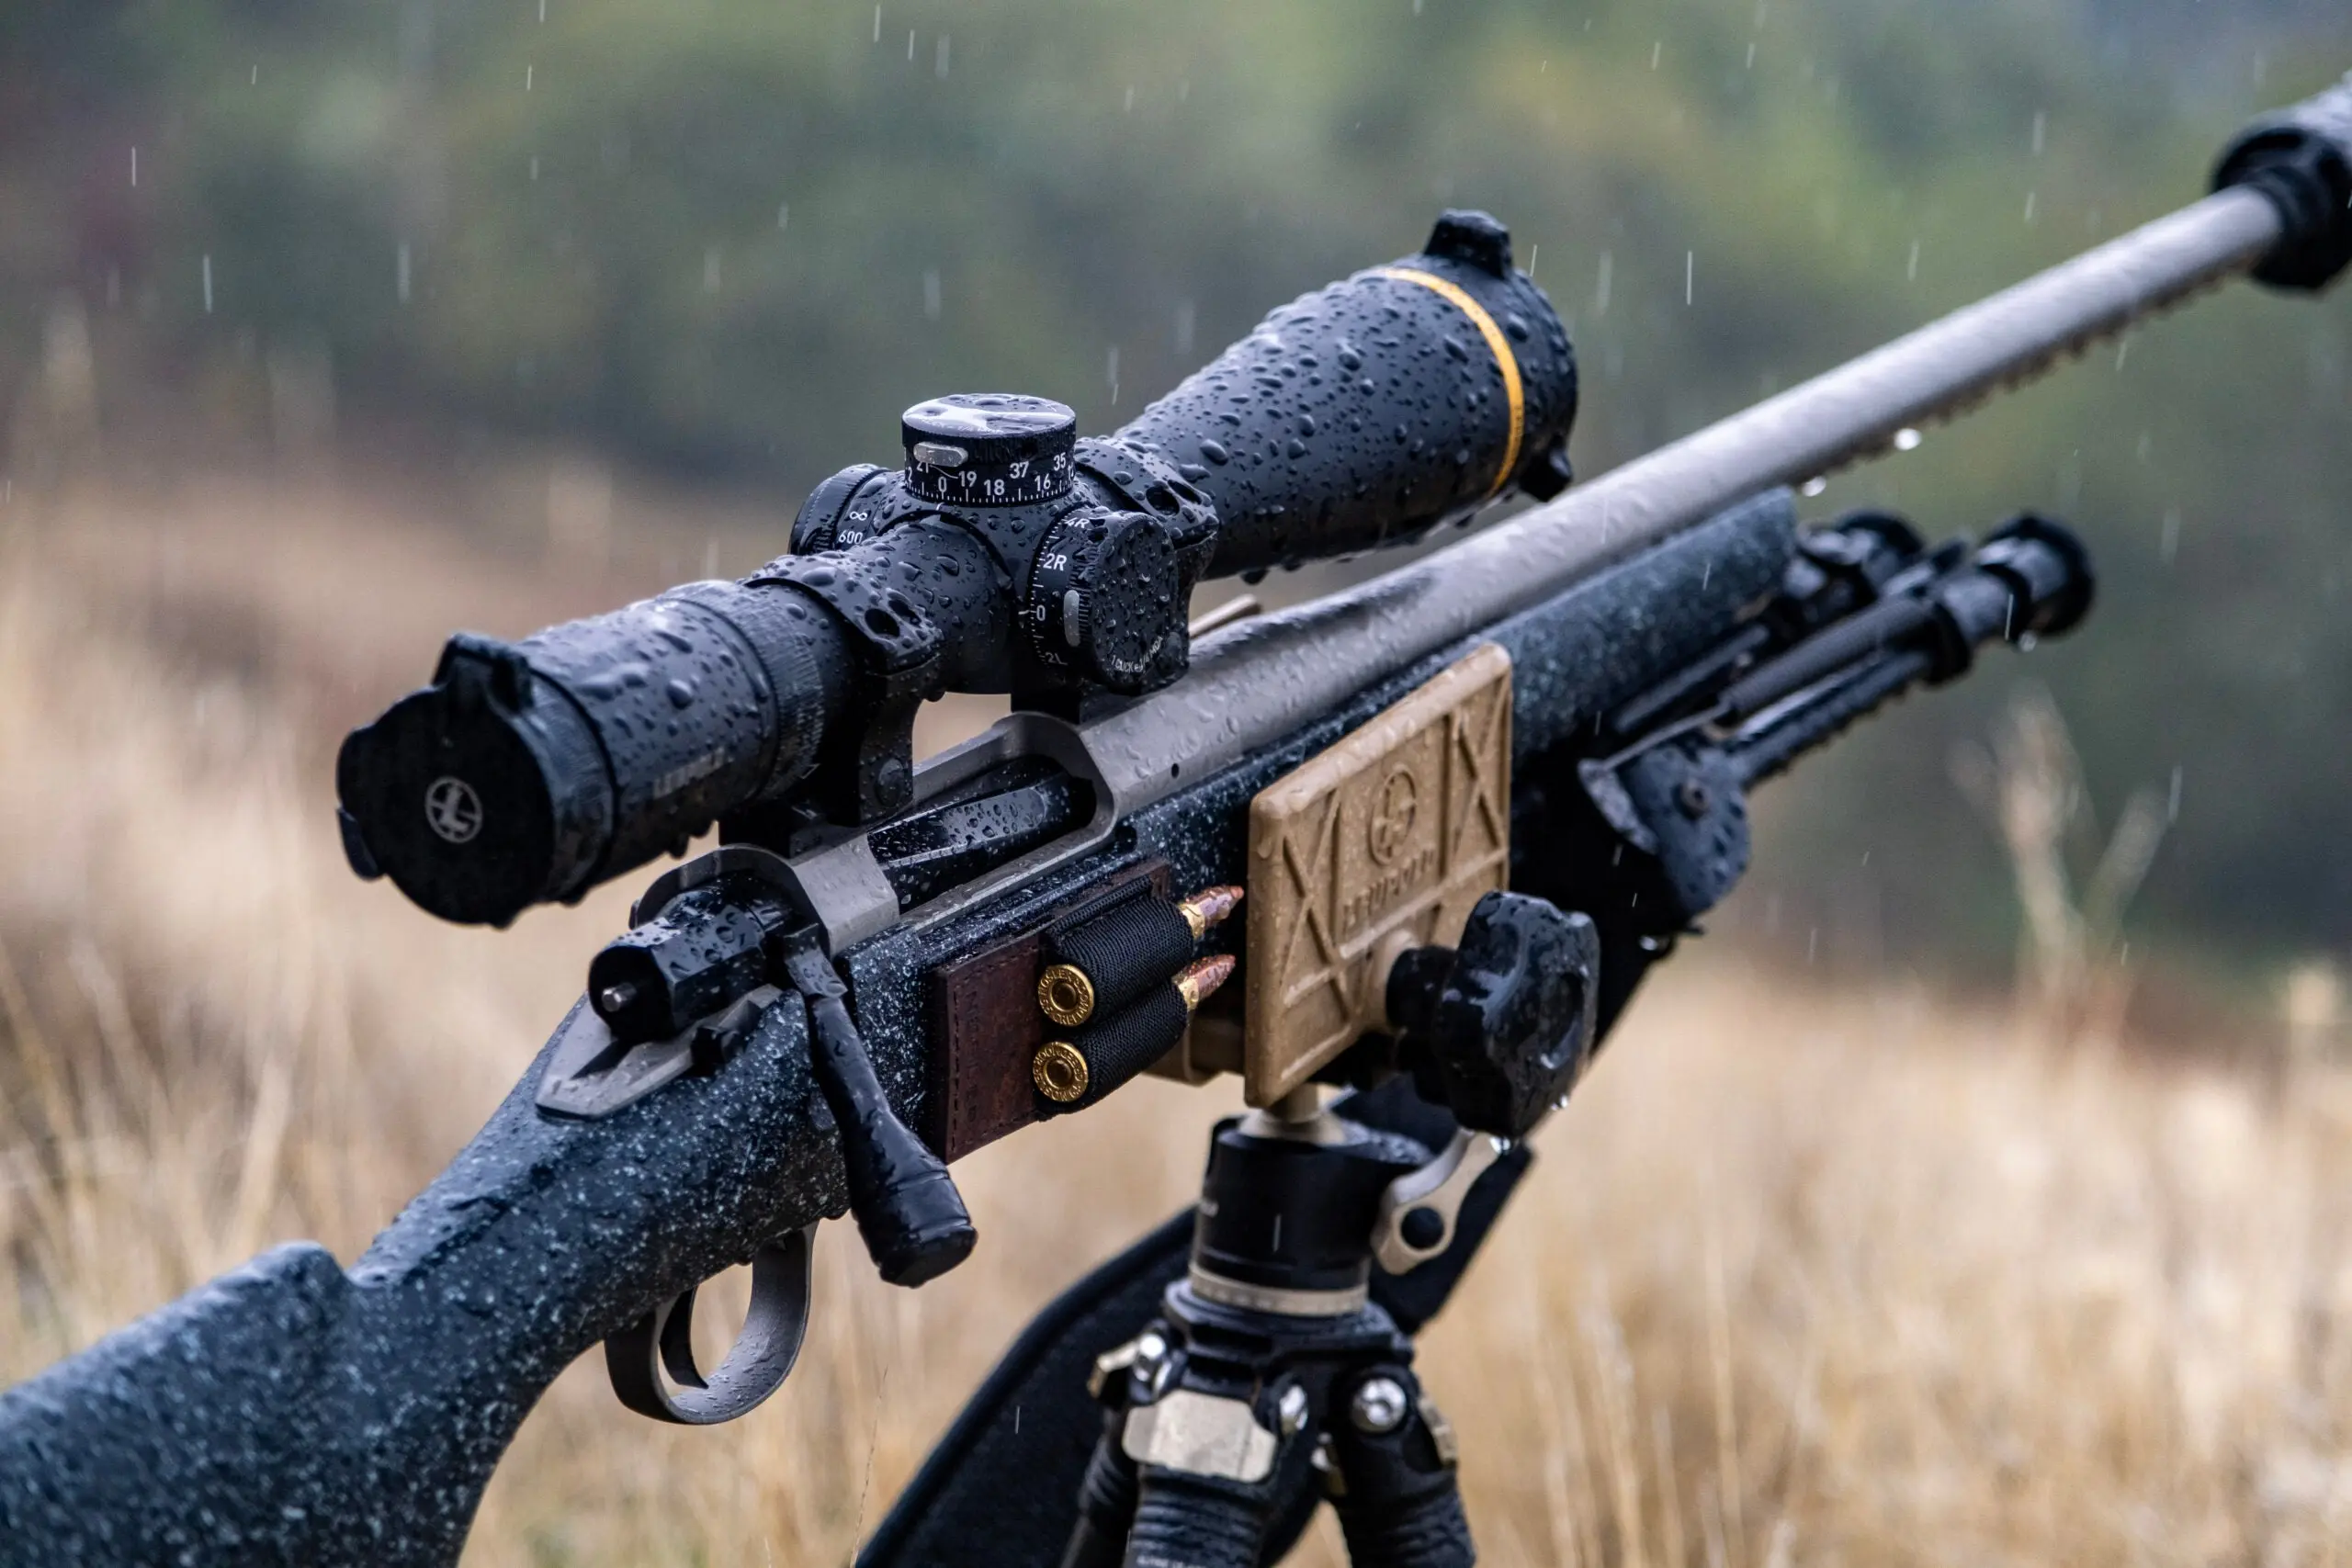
1416, 1218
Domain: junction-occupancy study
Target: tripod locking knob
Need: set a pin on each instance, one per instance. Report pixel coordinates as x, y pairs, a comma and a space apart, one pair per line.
1501, 1025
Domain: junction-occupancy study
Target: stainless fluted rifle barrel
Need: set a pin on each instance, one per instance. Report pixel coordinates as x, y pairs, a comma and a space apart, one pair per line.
2283, 212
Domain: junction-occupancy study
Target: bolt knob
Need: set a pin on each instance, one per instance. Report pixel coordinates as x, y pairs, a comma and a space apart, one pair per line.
988, 448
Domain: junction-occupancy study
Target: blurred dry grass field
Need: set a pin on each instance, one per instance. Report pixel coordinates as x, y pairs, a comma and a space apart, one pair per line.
1801, 1276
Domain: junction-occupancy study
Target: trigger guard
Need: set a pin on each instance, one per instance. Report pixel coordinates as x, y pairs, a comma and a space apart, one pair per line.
756, 1365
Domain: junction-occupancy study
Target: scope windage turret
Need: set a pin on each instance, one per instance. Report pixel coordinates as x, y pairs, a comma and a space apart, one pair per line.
1007, 555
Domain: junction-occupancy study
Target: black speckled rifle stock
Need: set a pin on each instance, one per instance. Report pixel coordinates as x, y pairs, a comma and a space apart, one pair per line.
1672, 636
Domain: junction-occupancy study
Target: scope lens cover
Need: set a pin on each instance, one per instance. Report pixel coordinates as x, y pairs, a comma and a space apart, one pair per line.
475, 809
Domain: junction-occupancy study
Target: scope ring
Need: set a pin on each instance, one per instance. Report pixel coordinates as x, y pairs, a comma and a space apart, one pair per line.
754, 1367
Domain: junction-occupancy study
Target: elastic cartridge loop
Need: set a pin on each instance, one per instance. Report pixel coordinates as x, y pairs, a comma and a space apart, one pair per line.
1497, 344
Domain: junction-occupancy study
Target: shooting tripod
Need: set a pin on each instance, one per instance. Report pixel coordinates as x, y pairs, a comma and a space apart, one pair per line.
1253, 1357
1270, 1356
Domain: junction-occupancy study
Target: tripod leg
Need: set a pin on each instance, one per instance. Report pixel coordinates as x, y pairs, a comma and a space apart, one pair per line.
1401, 1507
1106, 1502
1196, 1521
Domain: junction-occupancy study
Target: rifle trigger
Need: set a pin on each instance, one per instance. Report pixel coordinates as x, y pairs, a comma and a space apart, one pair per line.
662, 1342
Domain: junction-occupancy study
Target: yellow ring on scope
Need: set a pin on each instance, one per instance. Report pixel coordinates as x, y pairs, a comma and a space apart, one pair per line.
1497, 344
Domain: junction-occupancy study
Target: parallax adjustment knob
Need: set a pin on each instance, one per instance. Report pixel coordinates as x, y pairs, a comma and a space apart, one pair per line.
989, 449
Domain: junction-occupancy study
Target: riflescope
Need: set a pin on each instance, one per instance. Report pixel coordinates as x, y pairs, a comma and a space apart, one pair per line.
1007, 555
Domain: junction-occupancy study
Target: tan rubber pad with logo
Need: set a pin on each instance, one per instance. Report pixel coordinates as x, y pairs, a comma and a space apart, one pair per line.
1381, 844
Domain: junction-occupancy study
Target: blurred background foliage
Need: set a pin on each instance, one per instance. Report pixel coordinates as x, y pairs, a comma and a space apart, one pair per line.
727, 241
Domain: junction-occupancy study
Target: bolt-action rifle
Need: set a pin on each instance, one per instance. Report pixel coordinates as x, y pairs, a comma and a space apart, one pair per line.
1442, 823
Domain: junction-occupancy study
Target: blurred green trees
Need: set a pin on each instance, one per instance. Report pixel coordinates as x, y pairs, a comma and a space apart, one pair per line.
734, 237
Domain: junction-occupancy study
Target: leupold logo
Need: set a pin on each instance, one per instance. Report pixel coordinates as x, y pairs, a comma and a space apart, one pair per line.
453, 809
1393, 815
